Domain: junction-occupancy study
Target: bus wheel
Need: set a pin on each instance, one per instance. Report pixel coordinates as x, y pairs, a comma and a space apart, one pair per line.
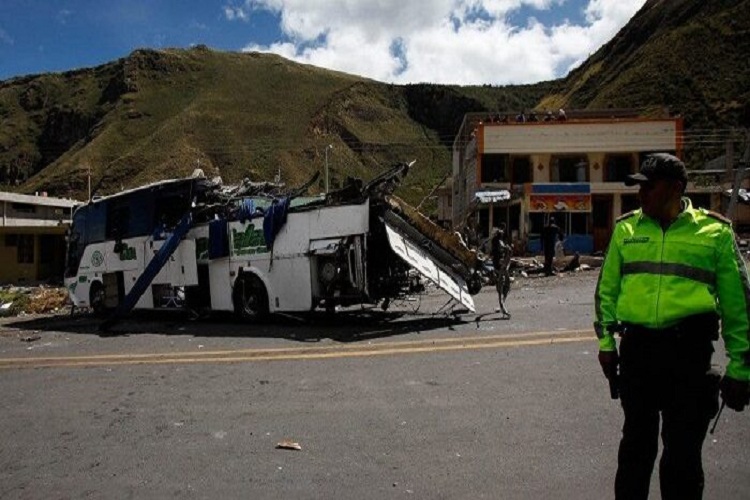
97, 298
250, 297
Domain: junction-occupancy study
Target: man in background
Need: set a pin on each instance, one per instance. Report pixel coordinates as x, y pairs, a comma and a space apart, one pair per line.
550, 235
501, 254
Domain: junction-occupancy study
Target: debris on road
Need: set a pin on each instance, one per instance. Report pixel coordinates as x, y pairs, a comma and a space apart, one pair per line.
16, 300
289, 445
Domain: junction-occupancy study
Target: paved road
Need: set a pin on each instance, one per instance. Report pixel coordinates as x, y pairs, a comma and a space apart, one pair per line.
394, 405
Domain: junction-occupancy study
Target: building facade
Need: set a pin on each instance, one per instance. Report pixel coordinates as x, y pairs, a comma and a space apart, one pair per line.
32, 238
571, 169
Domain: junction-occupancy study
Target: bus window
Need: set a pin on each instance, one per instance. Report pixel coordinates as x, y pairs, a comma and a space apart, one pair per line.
170, 209
78, 227
141, 221
76, 241
96, 223
118, 222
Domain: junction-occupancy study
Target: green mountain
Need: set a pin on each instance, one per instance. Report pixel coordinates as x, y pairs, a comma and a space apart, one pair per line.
161, 114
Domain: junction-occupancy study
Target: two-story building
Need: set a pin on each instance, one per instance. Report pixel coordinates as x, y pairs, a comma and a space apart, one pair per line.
571, 168
32, 237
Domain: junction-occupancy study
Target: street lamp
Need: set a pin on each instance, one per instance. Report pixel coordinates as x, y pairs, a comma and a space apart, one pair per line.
330, 146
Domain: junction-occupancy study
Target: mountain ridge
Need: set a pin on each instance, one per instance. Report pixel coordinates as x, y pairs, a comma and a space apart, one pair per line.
161, 113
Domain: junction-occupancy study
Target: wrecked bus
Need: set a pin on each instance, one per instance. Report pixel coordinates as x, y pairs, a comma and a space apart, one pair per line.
256, 249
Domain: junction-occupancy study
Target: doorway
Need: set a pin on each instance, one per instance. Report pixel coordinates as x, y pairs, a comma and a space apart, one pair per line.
602, 218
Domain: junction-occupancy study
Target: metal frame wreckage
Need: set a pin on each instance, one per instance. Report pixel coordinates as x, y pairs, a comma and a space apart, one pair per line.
259, 248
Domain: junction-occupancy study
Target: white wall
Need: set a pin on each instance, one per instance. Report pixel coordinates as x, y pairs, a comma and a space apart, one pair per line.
588, 137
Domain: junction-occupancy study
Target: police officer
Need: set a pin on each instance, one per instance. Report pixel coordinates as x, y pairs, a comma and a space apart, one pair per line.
671, 272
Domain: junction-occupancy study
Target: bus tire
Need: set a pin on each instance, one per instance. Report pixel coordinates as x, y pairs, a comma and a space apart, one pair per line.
98, 298
250, 297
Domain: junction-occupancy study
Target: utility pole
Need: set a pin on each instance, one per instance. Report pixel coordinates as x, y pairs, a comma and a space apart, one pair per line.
448, 174
89, 180
330, 146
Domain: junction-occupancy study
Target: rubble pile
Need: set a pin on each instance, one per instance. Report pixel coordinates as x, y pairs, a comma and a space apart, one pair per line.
567, 263
32, 300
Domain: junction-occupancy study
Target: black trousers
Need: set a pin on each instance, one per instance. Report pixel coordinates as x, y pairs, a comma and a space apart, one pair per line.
667, 375
549, 255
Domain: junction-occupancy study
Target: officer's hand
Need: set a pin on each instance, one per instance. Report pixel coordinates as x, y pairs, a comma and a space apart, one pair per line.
735, 393
609, 361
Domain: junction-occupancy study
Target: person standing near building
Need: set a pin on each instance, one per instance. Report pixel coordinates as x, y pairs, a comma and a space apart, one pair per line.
550, 235
501, 254
670, 274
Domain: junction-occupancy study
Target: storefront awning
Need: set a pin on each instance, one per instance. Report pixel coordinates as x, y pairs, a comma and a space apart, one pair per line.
559, 197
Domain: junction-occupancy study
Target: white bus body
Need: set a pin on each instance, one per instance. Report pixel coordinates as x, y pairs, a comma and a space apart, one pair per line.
322, 256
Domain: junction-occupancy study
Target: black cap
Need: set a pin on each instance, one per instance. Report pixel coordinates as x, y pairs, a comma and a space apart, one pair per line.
659, 166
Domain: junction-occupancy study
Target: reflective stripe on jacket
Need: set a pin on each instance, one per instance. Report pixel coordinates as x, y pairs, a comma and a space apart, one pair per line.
656, 278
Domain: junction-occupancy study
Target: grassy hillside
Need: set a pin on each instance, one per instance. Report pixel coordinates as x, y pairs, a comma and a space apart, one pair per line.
157, 114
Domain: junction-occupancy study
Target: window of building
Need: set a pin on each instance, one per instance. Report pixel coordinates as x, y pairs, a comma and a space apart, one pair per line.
601, 214
618, 167
569, 169
522, 170
24, 208
579, 223
536, 223
25, 249
48, 246
495, 168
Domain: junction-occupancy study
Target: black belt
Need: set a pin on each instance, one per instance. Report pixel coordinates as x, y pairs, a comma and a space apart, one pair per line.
704, 326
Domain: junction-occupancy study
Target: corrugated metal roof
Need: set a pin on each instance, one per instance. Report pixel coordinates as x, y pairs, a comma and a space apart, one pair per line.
47, 201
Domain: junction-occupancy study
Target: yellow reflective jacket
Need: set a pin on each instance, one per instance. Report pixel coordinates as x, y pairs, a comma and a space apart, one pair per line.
656, 278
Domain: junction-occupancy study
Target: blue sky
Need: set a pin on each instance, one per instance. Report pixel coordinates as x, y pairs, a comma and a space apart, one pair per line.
439, 41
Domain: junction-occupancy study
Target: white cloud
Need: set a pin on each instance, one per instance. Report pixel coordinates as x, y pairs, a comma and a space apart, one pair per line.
5, 37
440, 41
233, 13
